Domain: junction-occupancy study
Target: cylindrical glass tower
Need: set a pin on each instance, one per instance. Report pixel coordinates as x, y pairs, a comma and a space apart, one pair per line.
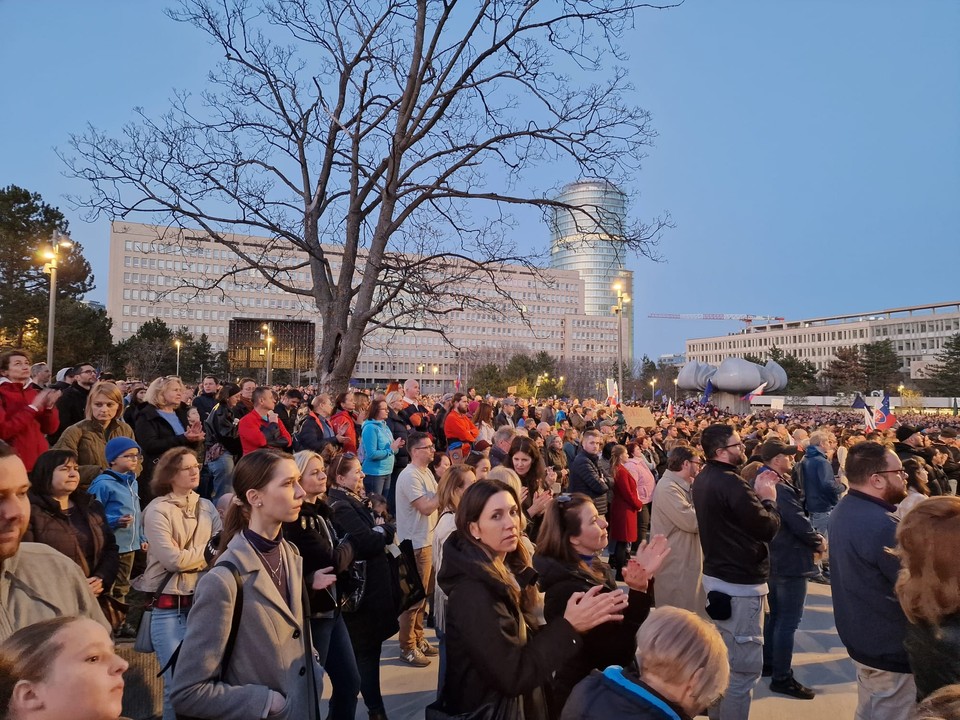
591, 242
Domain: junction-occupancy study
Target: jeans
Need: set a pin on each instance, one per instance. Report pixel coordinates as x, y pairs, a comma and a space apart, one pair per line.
167, 628
411, 622
821, 523
221, 476
376, 484
367, 652
742, 633
333, 646
884, 695
787, 595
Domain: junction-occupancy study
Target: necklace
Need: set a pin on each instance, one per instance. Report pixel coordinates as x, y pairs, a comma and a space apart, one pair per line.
275, 573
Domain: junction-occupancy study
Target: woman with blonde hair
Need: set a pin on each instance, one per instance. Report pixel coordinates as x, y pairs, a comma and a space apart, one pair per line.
162, 424
89, 437
178, 523
65, 667
683, 670
497, 659
929, 591
272, 669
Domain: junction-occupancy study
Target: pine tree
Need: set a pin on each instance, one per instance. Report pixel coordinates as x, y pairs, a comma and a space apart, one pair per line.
943, 377
881, 366
845, 372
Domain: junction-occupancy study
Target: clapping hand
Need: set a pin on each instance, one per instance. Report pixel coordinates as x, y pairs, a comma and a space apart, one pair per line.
645, 564
594, 607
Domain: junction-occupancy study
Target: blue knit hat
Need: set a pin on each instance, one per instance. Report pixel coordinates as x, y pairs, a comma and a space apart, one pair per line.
118, 446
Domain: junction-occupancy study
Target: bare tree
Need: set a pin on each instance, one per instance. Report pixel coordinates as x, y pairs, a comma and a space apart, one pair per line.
399, 132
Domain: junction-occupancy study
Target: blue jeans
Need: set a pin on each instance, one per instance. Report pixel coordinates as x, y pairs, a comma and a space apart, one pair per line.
375, 484
333, 646
221, 476
786, 598
167, 628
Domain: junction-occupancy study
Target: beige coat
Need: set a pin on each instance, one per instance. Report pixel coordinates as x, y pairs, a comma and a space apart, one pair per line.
168, 524
679, 582
269, 652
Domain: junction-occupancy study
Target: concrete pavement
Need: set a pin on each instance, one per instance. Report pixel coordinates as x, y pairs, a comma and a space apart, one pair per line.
820, 662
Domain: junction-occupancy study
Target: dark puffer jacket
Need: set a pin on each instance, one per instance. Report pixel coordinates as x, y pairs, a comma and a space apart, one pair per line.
50, 525
488, 662
586, 478
615, 693
612, 643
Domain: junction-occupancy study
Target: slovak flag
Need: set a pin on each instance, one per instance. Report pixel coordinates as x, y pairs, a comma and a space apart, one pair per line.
670, 409
882, 417
456, 383
868, 420
756, 393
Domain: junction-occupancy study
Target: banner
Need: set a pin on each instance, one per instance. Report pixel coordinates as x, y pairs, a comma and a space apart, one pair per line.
776, 403
638, 417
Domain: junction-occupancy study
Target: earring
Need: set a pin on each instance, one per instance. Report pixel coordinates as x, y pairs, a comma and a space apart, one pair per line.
260, 504
476, 537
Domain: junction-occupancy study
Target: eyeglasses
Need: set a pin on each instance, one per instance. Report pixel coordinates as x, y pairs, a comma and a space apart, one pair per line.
901, 471
425, 447
739, 445
132, 456
87, 372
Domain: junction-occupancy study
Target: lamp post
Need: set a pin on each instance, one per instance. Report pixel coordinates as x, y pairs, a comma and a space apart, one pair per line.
622, 299
653, 394
177, 343
675, 382
266, 328
435, 370
52, 256
420, 368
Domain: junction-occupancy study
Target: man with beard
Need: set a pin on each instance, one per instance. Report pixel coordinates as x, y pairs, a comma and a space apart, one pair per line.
72, 405
869, 619
36, 582
736, 522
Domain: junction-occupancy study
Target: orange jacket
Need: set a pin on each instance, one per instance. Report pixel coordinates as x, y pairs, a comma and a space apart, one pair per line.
460, 427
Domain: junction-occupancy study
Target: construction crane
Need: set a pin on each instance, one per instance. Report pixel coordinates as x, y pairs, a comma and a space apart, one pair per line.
747, 319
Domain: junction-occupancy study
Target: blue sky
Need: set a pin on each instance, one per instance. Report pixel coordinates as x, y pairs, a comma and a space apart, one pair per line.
808, 151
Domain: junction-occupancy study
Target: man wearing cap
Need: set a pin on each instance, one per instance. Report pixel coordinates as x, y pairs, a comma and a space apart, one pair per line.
820, 489
36, 582
910, 444
791, 563
948, 444
505, 416
736, 522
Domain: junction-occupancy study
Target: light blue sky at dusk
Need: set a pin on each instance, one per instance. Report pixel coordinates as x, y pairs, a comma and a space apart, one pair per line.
808, 151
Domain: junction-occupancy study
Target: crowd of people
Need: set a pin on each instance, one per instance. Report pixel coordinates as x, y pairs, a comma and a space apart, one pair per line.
571, 565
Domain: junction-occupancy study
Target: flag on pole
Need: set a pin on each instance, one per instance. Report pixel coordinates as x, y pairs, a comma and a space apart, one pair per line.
860, 404
707, 392
756, 393
456, 383
955, 408
670, 410
613, 392
882, 417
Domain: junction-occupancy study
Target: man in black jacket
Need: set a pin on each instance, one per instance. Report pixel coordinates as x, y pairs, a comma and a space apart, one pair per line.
791, 563
72, 405
585, 475
207, 397
736, 522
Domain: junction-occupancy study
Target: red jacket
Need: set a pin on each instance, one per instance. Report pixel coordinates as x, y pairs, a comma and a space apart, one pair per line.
22, 427
625, 506
458, 426
255, 432
343, 424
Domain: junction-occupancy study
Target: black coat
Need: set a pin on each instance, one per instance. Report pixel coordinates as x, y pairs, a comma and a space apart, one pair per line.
204, 403
50, 525
486, 660
792, 548
221, 427
613, 643
320, 546
376, 619
586, 478
618, 694
934, 654
400, 429
72, 408
311, 435
155, 437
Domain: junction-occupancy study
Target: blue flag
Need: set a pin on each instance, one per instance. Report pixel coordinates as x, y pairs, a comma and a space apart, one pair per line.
859, 403
658, 393
707, 392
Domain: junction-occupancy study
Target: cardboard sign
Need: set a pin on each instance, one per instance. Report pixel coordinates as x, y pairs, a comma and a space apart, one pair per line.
512, 390
638, 417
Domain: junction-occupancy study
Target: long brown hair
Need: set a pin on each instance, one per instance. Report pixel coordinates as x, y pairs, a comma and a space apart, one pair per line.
472, 503
453, 479
927, 539
253, 472
534, 478
618, 456
161, 482
561, 522
484, 413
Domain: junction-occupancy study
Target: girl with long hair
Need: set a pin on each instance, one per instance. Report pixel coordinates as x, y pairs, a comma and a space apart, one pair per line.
567, 559
625, 509
483, 419
536, 478
497, 660
268, 672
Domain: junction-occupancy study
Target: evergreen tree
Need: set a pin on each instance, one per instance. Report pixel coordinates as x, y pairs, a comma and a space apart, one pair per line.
845, 372
943, 377
881, 366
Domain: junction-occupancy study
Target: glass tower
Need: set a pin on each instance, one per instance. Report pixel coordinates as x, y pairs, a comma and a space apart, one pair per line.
590, 242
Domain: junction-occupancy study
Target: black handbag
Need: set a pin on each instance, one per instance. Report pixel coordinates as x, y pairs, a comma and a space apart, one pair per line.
409, 584
501, 709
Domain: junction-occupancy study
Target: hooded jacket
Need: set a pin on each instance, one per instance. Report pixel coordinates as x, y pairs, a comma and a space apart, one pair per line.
613, 643
821, 490
615, 693
22, 427
376, 446
488, 660
119, 494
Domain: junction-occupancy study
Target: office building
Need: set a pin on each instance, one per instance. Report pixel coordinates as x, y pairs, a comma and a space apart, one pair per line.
917, 333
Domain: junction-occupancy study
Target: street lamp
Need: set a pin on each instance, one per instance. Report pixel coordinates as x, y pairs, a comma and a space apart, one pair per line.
52, 256
622, 299
675, 381
653, 394
266, 328
177, 343
435, 370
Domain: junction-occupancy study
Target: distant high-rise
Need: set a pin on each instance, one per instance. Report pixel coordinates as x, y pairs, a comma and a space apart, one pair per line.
591, 242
